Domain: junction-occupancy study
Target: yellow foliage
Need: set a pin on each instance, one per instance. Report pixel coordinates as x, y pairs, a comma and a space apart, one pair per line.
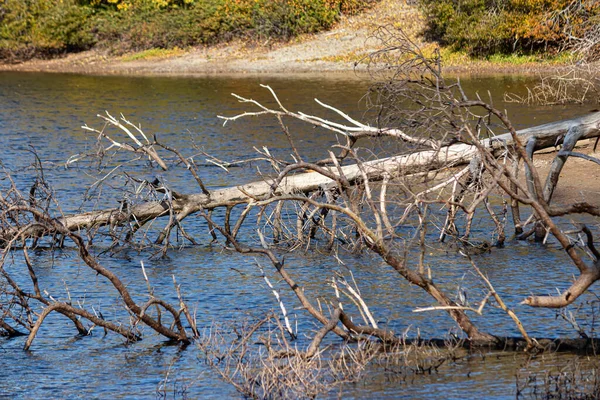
483, 27
128, 4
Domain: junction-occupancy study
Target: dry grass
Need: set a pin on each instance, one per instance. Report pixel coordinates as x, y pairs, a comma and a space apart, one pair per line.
153, 54
578, 379
259, 360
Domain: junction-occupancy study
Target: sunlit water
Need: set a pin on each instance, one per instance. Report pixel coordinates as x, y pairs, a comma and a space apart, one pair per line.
44, 113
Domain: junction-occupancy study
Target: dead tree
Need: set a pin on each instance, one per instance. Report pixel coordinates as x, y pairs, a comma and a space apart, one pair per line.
435, 146
27, 306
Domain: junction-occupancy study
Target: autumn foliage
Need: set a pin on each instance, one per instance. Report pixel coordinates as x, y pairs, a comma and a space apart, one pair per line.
46, 28
484, 27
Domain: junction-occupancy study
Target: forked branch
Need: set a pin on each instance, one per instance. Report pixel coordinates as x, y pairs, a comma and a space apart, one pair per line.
128, 128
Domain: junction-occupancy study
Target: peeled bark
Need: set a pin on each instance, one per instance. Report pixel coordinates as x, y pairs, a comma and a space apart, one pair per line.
376, 170
581, 284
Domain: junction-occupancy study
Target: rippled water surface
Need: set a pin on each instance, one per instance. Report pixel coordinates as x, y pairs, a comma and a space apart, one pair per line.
45, 113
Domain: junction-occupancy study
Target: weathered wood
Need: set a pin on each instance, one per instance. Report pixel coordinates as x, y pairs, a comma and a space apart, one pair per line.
569, 142
454, 155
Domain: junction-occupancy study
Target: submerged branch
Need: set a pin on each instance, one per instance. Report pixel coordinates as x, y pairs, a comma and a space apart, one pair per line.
376, 170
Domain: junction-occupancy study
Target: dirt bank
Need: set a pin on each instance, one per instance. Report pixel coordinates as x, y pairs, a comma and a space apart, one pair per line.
335, 51
332, 51
579, 179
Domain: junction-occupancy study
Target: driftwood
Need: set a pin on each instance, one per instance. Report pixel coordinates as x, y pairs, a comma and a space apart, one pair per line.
334, 199
454, 155
299, 181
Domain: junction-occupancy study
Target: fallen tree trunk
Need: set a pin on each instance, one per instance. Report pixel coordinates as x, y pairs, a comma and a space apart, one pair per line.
457, 154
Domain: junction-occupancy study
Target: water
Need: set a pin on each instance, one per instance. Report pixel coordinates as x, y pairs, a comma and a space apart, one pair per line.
44, 113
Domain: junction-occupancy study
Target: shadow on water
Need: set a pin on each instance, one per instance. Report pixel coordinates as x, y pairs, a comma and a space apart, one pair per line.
45, 112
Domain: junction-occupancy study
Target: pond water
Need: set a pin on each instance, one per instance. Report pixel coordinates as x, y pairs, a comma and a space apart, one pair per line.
45, 112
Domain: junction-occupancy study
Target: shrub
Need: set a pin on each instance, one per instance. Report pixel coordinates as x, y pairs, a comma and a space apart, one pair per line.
42, 27
144, 24
484, 27
49, 27
137, 30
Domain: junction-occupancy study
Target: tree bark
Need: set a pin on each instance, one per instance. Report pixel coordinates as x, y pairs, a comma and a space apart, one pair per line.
457, 154
376, 170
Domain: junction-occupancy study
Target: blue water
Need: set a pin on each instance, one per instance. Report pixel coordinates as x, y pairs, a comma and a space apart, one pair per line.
43, 113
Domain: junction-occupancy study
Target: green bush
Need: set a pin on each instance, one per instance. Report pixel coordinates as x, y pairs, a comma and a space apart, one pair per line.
144, 26
45, 28
484, 27
42, 28
144, 29
278, 18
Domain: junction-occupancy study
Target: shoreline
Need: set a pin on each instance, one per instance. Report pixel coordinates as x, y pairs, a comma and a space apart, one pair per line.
199, 62
333, 52
191, 65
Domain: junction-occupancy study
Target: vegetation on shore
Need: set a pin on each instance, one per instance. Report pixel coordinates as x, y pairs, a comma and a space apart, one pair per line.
46, 28
516, 27
514, 31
